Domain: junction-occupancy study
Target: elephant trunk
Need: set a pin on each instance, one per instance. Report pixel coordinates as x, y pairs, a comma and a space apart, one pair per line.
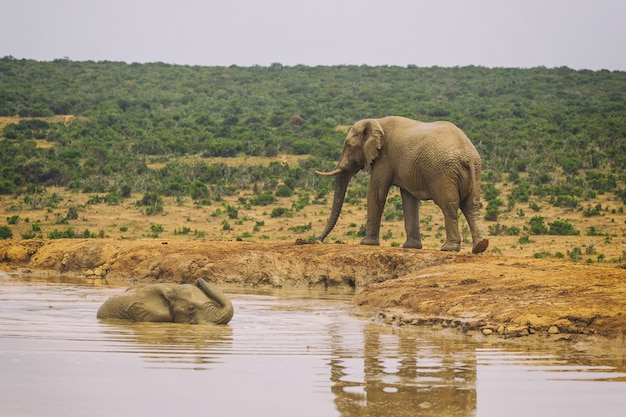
221, 309
341, 185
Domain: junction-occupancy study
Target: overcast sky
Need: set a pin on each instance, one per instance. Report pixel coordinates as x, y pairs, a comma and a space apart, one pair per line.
589, 34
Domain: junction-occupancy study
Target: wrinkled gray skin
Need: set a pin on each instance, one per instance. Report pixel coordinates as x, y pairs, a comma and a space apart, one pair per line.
179, 303
427, 161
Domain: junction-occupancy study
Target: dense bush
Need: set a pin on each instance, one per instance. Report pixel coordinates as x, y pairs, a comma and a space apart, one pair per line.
6, 232
562, 227
135, 125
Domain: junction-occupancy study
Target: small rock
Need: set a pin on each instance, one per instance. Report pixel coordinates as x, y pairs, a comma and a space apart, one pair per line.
553, 330
487, 332
516, 331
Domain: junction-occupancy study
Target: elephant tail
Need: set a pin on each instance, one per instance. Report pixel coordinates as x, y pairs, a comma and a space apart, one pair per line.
472, 204
475, 167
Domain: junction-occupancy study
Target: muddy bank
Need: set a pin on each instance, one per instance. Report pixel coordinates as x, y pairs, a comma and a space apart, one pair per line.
507, 297
483, 296
249, 264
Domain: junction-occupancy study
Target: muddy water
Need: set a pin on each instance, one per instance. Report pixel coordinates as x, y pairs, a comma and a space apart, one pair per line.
284, 354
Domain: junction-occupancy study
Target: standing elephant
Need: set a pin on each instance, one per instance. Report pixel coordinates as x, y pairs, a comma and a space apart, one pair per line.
427, 161
178, 303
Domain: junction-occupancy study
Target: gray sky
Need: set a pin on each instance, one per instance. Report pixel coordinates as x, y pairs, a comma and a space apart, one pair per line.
494, 33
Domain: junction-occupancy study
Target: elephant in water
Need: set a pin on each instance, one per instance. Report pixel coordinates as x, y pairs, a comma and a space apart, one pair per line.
179, 303
427, 161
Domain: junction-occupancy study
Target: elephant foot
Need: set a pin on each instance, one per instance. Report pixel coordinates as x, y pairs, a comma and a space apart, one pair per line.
372, 241
451, 247
412, 244
481, 246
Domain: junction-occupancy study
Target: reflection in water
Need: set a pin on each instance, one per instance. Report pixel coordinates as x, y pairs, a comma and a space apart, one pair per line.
169, 345
402, 375
285, 353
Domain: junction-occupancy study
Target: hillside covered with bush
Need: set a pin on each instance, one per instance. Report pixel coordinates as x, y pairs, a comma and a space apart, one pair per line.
112, 129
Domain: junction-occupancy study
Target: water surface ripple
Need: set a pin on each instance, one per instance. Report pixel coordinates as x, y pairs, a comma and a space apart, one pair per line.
285, 353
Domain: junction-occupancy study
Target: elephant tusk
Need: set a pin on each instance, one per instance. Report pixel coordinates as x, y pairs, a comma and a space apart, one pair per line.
330, 173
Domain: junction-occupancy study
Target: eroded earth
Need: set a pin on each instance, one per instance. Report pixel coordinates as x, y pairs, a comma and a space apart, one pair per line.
485, 296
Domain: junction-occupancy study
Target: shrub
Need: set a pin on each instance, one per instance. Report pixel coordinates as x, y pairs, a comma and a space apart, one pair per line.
72, 213
592, 231
284, 191
303, 201
262, 199
492, 210
521, 192
6, 232
66, 234
564, 201
592, 211
537, 226
563, 228
281, 212
198, 190
497, 229
490, 192
512, 231
152, 202
301, 229
29, 235
575, 254
232, 212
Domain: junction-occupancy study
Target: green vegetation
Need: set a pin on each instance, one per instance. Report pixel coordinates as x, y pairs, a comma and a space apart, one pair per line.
130, 116
557, 227
546, 136
6, 232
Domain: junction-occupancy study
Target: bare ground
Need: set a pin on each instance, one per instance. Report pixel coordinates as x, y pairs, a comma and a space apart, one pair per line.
489, 296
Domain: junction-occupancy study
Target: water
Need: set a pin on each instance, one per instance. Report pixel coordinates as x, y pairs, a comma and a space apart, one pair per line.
285, 353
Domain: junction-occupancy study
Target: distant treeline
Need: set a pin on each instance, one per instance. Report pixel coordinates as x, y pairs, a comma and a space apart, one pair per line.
540, 121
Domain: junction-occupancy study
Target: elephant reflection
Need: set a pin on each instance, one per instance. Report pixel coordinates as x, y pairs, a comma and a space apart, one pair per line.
168, 344
402, 376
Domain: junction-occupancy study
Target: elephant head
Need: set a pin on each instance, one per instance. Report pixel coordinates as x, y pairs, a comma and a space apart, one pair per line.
194, 304
360, 149
202, 303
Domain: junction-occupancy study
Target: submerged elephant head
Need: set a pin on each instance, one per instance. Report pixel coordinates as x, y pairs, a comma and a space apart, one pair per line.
202, 303
360, 149
193, 304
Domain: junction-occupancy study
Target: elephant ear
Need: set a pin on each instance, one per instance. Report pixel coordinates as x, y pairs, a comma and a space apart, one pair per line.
373, 141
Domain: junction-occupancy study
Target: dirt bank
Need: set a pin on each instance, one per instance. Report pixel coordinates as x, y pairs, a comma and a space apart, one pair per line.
480, 295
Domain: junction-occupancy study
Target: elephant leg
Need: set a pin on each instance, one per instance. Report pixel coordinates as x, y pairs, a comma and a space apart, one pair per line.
453, 238
410, 207
479, 237
376, 198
